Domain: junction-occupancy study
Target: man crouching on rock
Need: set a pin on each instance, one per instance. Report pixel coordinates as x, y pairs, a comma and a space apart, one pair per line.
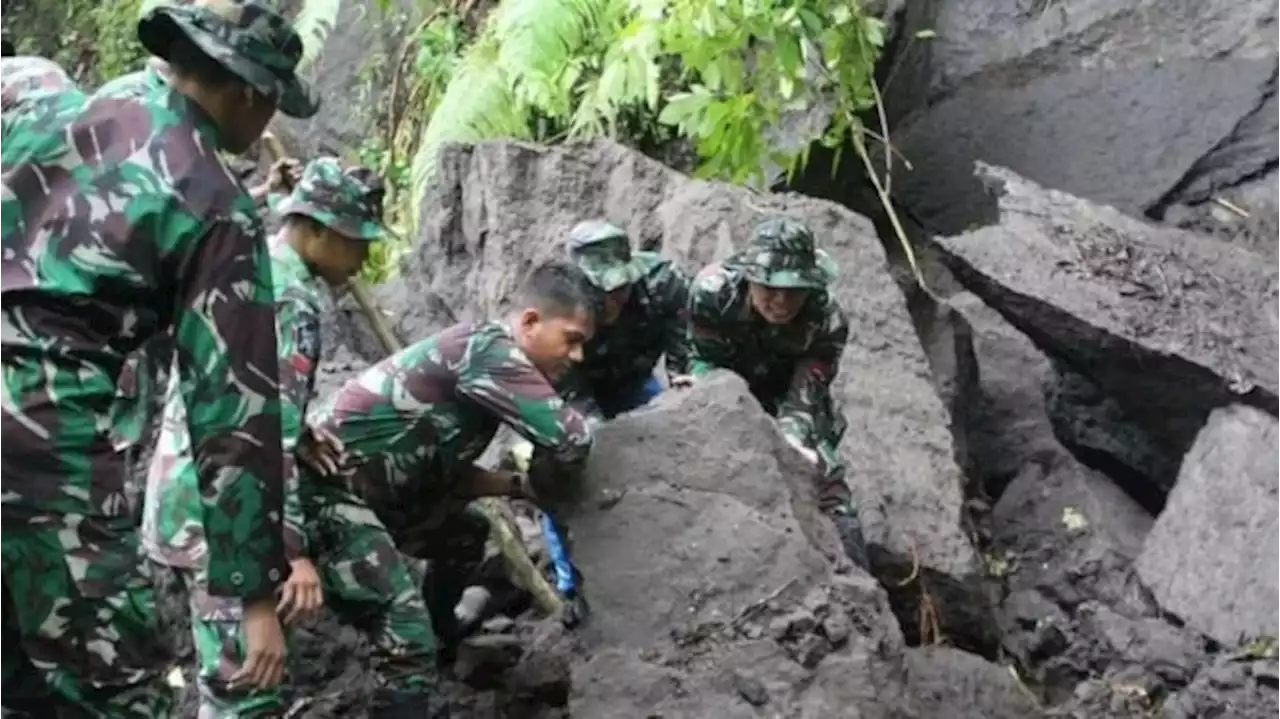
766, 315
643, 318
399, 441
330, 219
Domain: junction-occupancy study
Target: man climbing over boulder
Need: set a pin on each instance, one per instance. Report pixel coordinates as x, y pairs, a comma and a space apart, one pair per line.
330, 219
643, 319
121, 221
766, 314
397, 444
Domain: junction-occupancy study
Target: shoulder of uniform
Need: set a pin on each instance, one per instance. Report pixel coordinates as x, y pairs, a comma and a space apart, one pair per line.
830, 315
714, 279
659, 270
187, 161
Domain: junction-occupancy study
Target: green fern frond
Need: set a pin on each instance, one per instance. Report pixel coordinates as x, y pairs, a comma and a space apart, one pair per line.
538, 40
314, 22
478, 105
524, 60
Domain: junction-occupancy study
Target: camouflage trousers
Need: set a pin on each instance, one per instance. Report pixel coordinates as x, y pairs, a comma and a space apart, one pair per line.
366, 581
80, 634
451, 545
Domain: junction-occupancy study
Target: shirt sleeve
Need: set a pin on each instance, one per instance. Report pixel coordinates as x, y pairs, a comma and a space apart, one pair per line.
573, 388
299, 356
671, 291
501, 379
225, 337
709, 345
811, 381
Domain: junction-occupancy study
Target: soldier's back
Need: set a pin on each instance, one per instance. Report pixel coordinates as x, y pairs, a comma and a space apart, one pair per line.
105, 206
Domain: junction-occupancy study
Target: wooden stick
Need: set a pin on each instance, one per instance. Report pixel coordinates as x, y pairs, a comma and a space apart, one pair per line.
514, 552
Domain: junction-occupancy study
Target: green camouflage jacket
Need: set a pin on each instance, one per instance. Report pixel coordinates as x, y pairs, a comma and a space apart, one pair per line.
120, 220
171, 528
413, 423
623, 355
789, 368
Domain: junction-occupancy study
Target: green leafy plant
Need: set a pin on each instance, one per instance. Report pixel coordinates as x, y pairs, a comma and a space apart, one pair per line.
723, 74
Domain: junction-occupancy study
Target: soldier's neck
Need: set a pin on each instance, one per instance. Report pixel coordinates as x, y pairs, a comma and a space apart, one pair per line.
209, 102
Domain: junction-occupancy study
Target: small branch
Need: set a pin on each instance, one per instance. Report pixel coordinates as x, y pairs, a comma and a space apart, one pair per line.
1228, 204
760, 603
884, 128
915, 568
881, 139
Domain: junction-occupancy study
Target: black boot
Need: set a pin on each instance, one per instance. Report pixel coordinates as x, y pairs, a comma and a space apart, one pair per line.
395, 704
850, 530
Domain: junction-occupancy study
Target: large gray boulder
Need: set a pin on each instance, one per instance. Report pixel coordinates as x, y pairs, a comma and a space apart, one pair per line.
1211, 558
1146, 105
1169, 324
712, 593
498, 208
703, 554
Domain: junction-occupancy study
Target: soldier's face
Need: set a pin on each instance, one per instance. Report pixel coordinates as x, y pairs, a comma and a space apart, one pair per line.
777, 305
613, 304
336, 258
553, 342
248, 119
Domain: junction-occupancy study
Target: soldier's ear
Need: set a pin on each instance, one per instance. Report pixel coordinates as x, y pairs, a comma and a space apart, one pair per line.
530, 319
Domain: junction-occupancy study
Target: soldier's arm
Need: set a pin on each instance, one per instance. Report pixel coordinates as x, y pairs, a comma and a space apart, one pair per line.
710, 347
573, 388
812, 378
670, 289
225, 337
299, 338
502, 380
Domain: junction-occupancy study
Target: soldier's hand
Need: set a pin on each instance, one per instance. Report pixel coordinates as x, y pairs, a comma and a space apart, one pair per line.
682, 381
264, 646
283, 175
322, 452
301, 596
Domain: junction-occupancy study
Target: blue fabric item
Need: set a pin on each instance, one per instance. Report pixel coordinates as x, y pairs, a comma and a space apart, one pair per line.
634, 398
560, 563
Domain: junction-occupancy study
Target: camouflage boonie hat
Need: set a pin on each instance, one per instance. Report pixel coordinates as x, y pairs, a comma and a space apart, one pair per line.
603, 252
249, 39
348, 201
782, 254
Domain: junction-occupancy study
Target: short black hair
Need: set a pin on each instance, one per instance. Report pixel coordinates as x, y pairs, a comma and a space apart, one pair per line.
6, 48
187, 60
560, 289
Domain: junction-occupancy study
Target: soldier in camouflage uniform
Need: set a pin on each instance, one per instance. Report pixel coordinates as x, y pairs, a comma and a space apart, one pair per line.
403, 436
121, 221
643, 319
330, 219
766, 315
132, 413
